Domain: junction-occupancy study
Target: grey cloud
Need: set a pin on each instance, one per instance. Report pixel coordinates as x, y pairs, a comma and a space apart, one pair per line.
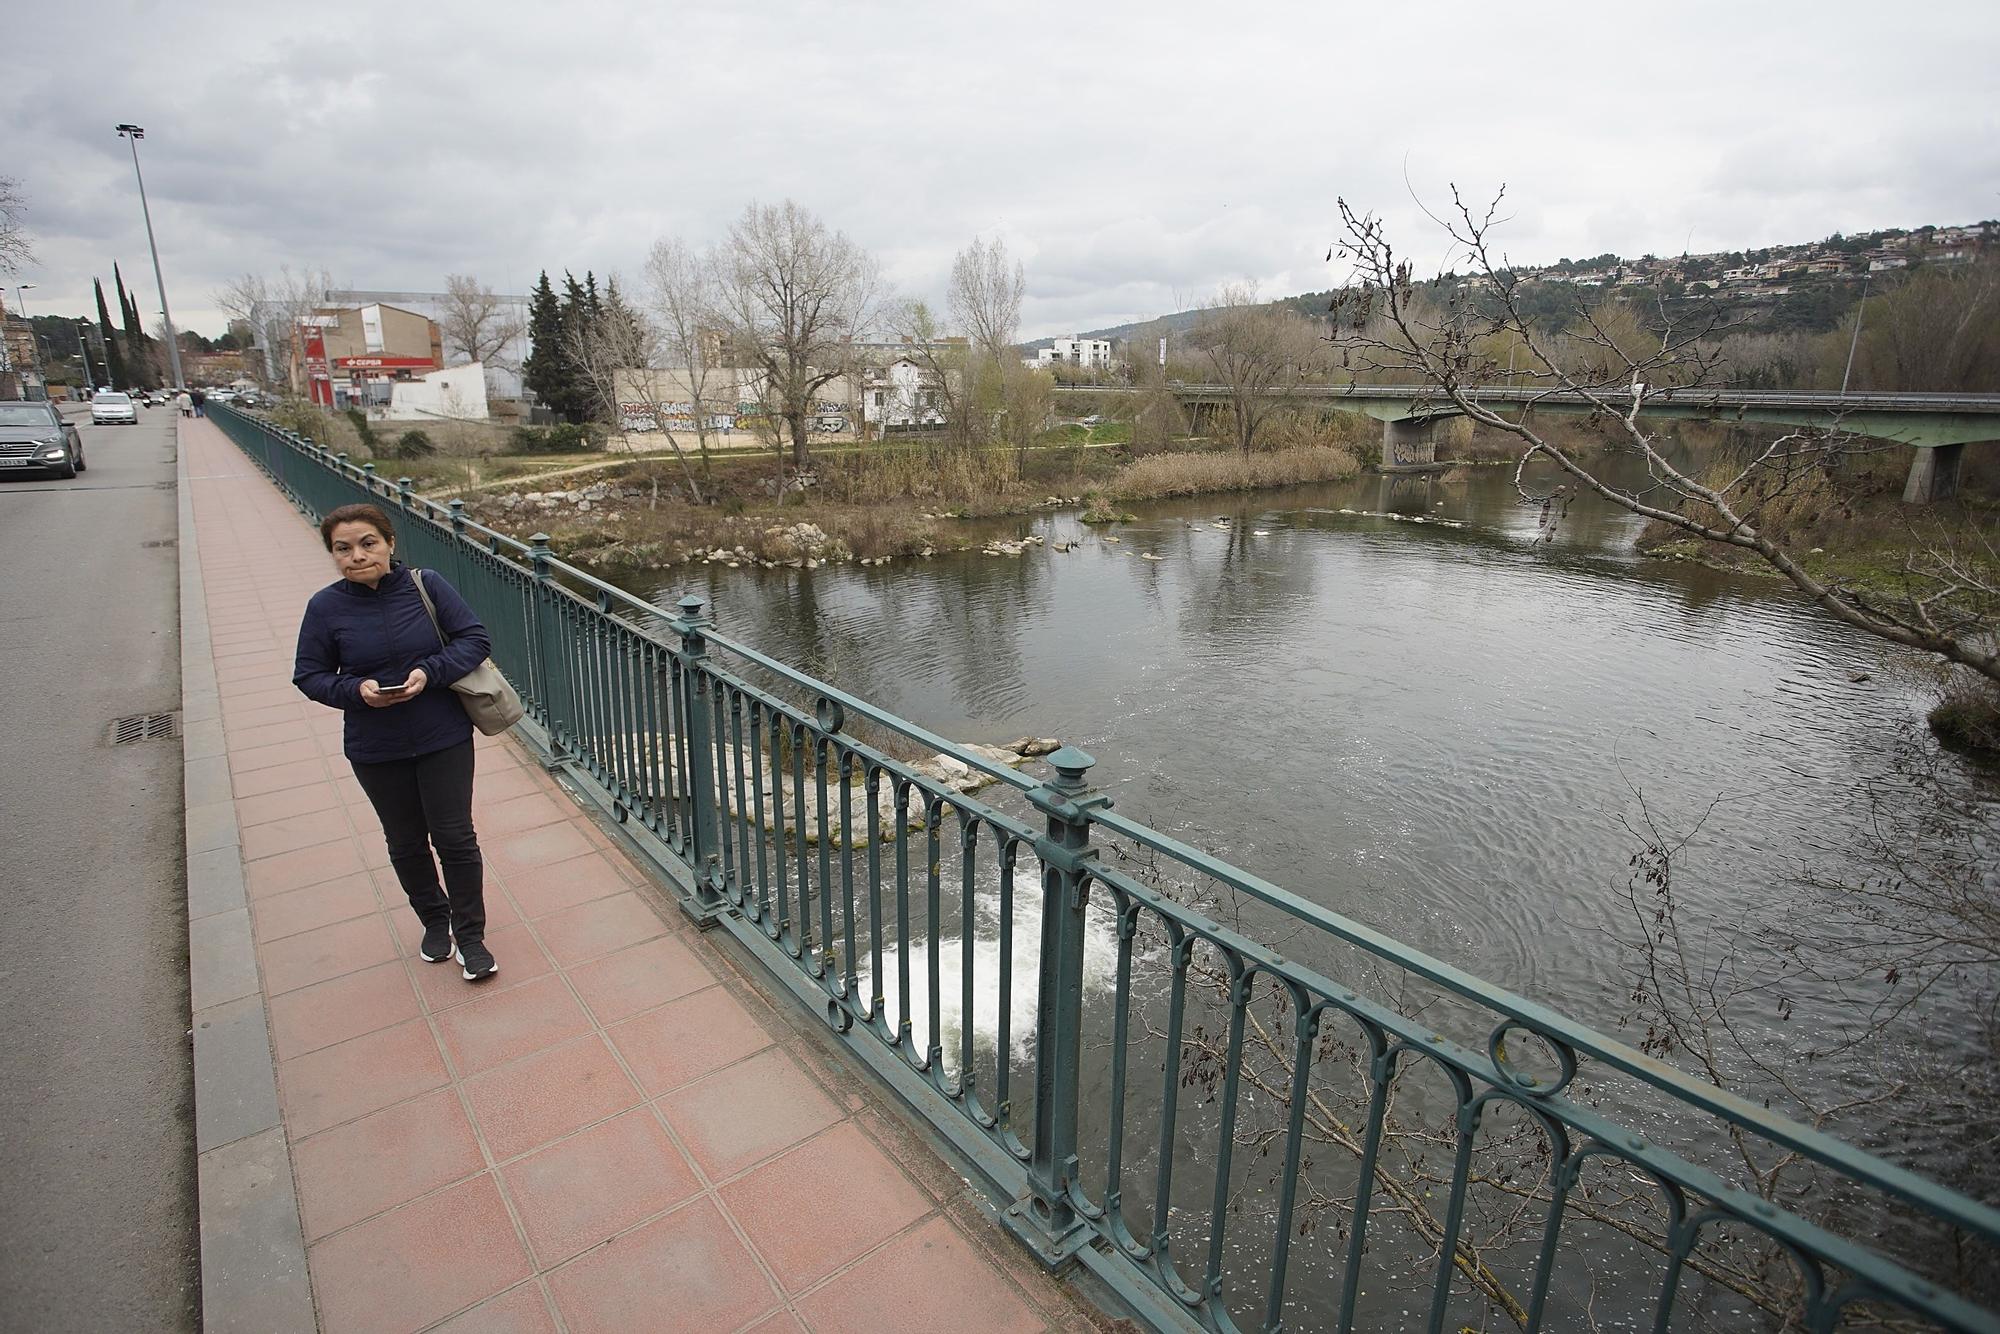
1132, 155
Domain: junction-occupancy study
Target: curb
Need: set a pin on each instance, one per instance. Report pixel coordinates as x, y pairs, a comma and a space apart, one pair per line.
253, 1255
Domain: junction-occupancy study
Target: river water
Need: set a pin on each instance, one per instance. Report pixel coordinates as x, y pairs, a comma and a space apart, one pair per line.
1445, 730
1439, 731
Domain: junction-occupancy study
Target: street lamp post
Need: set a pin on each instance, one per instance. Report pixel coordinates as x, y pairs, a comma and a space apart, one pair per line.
83, 347
34, 344
134, 134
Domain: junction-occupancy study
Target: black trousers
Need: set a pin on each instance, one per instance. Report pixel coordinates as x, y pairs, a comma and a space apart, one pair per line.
426, 803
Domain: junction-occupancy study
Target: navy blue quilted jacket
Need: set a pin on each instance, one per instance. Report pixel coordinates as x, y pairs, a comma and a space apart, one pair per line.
353, 633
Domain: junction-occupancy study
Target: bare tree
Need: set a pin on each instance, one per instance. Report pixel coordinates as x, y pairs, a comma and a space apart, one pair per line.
1259, 353
685, 293
16, 250
985, 298
619, 338
476, 323
1384, 323
273, 307
795, 295
943, 367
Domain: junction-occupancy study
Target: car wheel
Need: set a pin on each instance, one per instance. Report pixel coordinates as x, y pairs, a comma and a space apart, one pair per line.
68, 470
81, 466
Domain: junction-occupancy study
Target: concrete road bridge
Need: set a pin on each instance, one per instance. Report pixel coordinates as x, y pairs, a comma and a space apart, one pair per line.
1939, 426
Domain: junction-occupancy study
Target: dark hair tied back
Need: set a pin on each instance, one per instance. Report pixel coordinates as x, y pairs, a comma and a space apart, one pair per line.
367, 514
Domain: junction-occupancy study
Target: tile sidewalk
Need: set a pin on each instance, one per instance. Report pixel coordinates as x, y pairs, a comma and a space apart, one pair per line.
615, 1133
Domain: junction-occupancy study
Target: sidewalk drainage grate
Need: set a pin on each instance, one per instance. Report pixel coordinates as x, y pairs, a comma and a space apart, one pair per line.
145, 727
163, 542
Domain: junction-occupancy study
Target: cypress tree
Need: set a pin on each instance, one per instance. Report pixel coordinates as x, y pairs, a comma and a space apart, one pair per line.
138, 356
544, 370
114, 364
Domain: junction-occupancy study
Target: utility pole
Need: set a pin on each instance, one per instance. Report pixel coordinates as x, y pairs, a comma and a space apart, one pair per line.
134, 134
1855, 341
34, 343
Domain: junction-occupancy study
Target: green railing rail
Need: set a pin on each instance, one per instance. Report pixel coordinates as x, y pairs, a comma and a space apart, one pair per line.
1153, 1061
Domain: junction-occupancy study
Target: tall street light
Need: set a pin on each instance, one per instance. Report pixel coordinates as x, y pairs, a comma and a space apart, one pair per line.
83, 346
34, 346
134, 134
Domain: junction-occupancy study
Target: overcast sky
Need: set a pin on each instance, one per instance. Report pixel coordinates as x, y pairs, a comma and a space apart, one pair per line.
1135, 157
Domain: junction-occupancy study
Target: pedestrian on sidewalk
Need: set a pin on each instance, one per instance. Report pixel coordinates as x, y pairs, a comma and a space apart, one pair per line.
186, 403
197, 397
369, 648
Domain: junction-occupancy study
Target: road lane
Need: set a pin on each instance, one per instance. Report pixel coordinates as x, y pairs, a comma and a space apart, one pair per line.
97, 1213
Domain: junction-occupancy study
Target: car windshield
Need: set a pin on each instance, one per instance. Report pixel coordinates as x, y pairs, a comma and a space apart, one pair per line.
23, 414
108, 397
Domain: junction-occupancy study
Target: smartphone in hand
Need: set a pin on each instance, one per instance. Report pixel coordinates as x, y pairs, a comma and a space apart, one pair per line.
402, 689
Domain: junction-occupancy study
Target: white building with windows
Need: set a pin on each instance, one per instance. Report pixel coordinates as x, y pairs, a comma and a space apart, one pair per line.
901, 396
1089, 353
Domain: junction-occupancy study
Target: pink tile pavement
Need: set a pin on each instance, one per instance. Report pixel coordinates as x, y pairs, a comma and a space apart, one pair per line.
605, 1136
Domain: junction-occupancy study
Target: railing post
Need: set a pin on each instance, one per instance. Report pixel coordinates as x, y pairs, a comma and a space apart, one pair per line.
458, 519
1047, 1218
700, 777
404, 493
538, 603
368, 477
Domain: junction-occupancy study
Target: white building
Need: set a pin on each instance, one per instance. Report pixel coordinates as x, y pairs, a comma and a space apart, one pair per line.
1089, 353
456, 394
901, 396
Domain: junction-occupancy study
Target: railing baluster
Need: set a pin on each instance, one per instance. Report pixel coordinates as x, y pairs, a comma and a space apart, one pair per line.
1241, 984
1382, 1069
934, 854
968, 942
827, 966
1305, 1033
1003, 1056
851, 980
905, 1027
872, 794
1469, 1110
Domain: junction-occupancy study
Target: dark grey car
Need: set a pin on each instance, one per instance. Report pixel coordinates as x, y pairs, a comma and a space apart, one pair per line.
35, 438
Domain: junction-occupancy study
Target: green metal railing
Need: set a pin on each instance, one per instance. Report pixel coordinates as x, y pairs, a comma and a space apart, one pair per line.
1343, 1134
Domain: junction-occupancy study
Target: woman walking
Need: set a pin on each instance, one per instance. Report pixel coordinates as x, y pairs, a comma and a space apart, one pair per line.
368, 647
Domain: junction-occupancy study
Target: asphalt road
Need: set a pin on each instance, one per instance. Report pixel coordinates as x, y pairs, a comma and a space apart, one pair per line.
97, 1164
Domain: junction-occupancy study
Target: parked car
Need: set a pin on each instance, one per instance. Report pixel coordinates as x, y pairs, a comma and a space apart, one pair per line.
33, 436
111, 407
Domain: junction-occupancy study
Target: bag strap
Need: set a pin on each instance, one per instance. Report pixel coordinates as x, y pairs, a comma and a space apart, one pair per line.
417, 578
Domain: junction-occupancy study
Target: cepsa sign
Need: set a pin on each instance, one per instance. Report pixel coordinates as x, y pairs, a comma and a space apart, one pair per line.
384, 363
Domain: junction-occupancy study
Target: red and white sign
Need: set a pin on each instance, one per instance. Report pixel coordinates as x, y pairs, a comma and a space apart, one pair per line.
319, 378
384, 363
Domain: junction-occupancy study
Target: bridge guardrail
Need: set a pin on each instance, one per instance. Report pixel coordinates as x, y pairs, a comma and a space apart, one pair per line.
1130, 1051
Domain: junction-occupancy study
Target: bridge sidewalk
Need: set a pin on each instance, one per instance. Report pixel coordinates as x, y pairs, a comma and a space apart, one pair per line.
615, 1133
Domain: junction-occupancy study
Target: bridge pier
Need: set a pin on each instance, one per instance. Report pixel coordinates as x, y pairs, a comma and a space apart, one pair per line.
1409, 444
1933, 474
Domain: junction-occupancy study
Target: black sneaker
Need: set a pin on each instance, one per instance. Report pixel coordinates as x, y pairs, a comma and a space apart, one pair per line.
437, 943
477, 961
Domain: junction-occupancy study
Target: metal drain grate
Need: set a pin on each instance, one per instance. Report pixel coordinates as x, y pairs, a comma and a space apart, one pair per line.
163, 542
145, 727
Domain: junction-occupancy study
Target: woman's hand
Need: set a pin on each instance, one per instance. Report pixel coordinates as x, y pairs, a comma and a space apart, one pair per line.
375, 697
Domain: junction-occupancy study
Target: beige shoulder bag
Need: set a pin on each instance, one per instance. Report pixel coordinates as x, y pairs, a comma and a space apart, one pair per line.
491, 703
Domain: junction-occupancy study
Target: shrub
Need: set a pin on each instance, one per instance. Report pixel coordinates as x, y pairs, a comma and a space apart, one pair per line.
1967, 719
562, 438
413, 445
362, 428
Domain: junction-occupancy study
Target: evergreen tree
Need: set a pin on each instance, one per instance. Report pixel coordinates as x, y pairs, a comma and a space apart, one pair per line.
546, 369
138, 353
617, 320
114, 364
